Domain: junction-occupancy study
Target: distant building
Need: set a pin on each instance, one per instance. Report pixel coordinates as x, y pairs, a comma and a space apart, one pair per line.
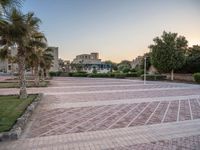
90, 63
10, 65
55, 65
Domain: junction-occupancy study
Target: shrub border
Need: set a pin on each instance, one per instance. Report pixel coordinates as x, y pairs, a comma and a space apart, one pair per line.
21, 122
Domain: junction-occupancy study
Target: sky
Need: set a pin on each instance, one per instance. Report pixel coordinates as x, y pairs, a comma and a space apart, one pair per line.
117, 29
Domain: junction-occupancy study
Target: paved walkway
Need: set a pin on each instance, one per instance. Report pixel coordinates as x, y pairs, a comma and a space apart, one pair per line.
87, 113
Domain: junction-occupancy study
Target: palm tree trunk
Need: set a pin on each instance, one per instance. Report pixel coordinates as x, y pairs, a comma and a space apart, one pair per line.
47, 73
22, 80
172, 74
32, 71
42, 74
37, 79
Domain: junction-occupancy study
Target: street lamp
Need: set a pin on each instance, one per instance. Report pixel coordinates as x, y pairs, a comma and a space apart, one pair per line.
145, 69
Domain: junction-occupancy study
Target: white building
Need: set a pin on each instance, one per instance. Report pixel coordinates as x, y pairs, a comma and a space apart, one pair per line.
90, 63
55, 65
10, 65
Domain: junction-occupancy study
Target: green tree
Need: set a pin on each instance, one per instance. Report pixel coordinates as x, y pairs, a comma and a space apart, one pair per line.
168, 52
7, 5
124, 66
36, 46
46, 62
148, 61
192, 64
112, 64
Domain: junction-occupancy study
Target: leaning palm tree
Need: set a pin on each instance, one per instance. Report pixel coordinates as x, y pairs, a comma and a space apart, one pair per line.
18, 29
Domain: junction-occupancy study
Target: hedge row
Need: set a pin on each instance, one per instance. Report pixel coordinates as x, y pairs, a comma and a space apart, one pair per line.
110, 75
154, 77
97, 75
196, 77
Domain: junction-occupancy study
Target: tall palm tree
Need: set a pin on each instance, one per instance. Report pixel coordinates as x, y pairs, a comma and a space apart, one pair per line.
18, 29
7, 5
46, 62
36, 46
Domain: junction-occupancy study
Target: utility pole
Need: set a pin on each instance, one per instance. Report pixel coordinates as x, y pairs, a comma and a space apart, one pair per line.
145, 69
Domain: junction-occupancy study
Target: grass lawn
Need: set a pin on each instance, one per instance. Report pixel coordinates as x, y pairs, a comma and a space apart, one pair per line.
11, 108
15, 84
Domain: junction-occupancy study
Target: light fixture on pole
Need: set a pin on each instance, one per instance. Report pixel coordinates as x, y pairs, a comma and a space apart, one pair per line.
145, 66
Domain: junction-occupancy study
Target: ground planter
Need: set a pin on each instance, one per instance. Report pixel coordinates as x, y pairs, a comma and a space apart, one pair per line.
16, 130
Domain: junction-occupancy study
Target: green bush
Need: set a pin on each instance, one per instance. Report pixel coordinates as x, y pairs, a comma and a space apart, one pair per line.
196, 77
81, 72
133, 70
94, 71
126, 70
53, 74
99, 75
120, 75
78, 74
70, 74
133, 74
112, 74
140, 72
154, 77
64, 74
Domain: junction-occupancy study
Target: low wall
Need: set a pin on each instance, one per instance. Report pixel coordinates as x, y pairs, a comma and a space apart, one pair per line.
182, 77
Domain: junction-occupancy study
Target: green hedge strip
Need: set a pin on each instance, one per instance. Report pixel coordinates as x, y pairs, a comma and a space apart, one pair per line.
197, 77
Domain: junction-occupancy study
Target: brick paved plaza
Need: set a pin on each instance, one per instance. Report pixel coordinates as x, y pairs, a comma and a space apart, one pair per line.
112, 114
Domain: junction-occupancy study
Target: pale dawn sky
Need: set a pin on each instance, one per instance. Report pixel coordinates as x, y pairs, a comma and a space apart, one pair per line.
117, 29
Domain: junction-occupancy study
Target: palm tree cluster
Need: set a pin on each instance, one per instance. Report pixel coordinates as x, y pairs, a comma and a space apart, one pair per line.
22, 31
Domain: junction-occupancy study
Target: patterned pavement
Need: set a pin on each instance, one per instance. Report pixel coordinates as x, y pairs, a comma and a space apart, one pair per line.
79, 106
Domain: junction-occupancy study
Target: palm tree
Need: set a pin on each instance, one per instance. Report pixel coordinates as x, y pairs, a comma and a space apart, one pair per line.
36, 46
18, 29
46, 62
7, 5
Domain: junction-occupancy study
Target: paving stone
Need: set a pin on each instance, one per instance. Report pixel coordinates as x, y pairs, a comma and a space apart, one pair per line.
167, 117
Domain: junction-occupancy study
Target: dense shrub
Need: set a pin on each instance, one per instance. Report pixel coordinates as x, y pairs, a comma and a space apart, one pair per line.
140, 72
133, 70
133, 74
82, 72
52, 74
196, 77
99, 75
94, 71
112, 75
120, 75
64, 74
126, 70
154, 77
78, 74
70, 74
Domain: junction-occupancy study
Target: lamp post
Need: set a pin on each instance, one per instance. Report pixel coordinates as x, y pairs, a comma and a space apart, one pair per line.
145, 66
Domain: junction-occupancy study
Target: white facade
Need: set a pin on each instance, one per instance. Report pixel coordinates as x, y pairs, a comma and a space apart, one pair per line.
89, 63
9, 65
55, 65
